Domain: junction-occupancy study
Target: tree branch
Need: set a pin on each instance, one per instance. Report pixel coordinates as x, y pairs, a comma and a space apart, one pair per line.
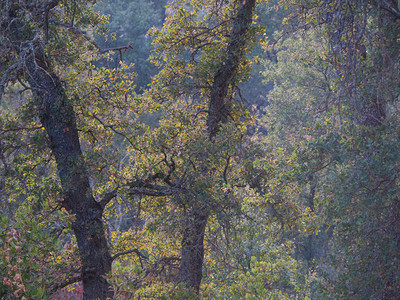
141, 255
219, 110
91, 41
66, 283
108, 197
389, 8
141, 187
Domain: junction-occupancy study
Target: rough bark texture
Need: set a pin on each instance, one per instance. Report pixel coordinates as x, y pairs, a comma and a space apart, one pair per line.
218, 109
193, 248
57, 116
193, 236
26, 45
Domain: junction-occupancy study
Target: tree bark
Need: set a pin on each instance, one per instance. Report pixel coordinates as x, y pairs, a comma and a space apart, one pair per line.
219, 109
193, 248
196, 221
58, 118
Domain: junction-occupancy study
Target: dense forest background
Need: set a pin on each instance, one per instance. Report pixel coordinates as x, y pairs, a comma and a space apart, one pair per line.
210, 149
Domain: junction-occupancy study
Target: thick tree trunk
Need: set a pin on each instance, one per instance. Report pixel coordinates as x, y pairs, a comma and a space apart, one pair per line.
58, 118
193, 237
193, 248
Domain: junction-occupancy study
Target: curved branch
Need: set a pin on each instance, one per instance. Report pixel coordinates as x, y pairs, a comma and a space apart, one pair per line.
140, 254
108, 197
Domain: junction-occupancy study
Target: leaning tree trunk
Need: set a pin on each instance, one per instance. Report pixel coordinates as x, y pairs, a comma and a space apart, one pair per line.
58, 118
196, 220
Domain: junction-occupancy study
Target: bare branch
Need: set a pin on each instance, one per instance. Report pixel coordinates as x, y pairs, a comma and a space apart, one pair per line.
111, 127
120, 49
108, 197
66, 283
141, 187
228, 159
141, 255
162, 262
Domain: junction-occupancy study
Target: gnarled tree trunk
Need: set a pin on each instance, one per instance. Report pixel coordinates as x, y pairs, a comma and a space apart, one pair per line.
196, 220
58, 118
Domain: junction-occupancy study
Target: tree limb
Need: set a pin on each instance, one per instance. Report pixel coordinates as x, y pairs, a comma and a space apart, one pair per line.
108, 197
90, 40
385, 5
66, 283
219, 110
141, 187
140, 254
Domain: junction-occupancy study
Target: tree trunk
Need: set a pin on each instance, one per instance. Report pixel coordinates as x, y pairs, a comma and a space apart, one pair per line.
193, 248
218, 109
58, 118
193, 237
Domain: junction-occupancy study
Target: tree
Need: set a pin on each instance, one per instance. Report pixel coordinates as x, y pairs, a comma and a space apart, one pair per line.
195, 35
76, 141
44, 37
343, 140
30, 52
